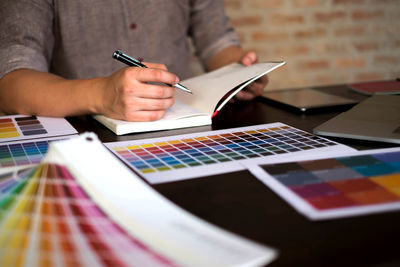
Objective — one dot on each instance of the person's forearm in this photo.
(27, 91)
(224, 57)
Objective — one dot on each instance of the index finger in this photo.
(156, 76)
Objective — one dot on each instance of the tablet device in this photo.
(306, 99)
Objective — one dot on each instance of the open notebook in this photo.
(211, 91)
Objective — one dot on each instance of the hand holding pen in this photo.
(135, 94)
(133, 62)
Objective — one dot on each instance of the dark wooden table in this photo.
(238, 202)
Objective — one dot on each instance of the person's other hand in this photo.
(255, 88)
(138, 94)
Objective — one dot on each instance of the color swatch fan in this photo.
(83, 207)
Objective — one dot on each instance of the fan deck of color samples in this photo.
(46, 219)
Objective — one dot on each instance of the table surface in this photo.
(238, 202)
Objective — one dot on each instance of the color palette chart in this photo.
(180, 157)
(24, 153)
(367, 182)
(19, 127)
(46, 219)
(27, 125)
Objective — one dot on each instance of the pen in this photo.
(130, 61)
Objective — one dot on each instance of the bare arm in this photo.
(123, 95)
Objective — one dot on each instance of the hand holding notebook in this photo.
(209, 96)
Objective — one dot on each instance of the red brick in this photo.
(313, 33)
(363, 47)
(350, 63)
(233, 4)
(366, 15)
(265, 4)
(331, 48)
(270, 36)
(300, 3)
(347, 2)
(329, 16)
(350, 31)
(292, 50)
(315, 64)
(281, 19)
(246, 21)
(369, 76)
(386, 59)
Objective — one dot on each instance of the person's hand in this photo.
(136, 94)
(255, 88)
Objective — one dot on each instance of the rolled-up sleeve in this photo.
(26, 35)
(210, 28)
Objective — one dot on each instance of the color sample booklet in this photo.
(20, 127)
(211, 91)
(348, 185)
(180, 157)
(82, 207)
(26, 152)
(24, 139)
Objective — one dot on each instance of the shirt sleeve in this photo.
(26, 35)
(210, 28)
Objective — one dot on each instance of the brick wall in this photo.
(322, 41)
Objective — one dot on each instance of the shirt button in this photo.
(132, 26)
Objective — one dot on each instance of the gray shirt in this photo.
(76, 38)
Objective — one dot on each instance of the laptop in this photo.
(376, 119)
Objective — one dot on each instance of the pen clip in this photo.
(121, 56)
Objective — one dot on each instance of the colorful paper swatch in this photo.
(46, 219)
(187, 156)
(24, 153)
(88, 209)
(19, 127)
(364, 183)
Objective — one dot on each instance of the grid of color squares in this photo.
(211, 148)
(23, 153)
(13, 127)
(343, 182)
(46, 219)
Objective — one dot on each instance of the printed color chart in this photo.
(21, 127)
(364, 183)
(46, 219)
(186, 156)
(24, 153)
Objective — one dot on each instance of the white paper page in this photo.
(178, 116)
(208, 89)
(181, 157)
(339, 176)
(148, 216)
(21, 127)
